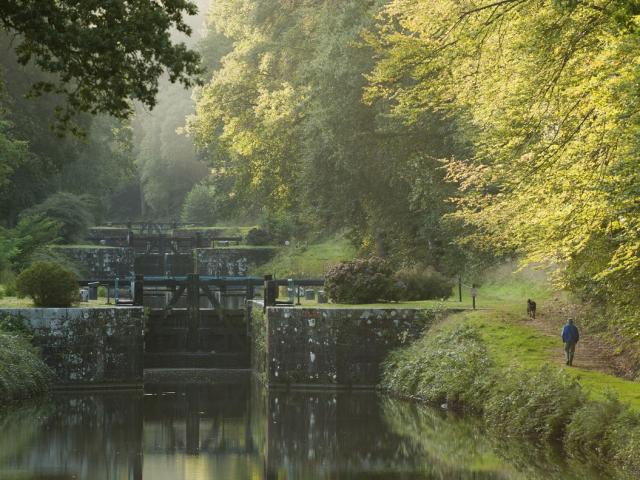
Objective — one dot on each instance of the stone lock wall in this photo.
(231, 262)
(88, 345)
(101, 262)
(336, 347)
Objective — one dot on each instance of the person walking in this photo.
(570, 336)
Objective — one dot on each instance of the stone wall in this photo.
(88, 345)
(100, 262)
(231, 262)
(336, 347)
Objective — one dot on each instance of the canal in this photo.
(233, 429)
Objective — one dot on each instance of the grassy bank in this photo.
(22, 372)
(301, 260)
(494, 363)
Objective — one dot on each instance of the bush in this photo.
(15, 324)
(73, 214)
(22, 373)
(450, 367)
(201, 205)
(423, 283)
(10, 289)
(365, 280)
(536, 405)
(259, 236)
(48, 284)
(588, 430)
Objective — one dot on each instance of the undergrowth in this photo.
(23, 374)
(452, 367)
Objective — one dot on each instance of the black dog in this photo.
(531, 308)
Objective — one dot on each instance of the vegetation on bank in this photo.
(312, 260)
(23, 374)
(491, 363)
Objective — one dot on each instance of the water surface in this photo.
(236, 430)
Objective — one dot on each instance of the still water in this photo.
(235, 430)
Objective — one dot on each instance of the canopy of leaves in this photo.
(283, 117)
(72, 212)
(102, 53)
(547, 93)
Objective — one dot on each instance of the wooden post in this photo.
(460, 288)
(138, 290)
(193, 311)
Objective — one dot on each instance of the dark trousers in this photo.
(569, 350)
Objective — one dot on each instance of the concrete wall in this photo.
(336, 347)
(101, 262)
(231, 262)
(88, 345)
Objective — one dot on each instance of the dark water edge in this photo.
(234, 429)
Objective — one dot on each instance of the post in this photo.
(116, 292)
(270, 292)
(460, 287)
(193, 311)
(474, 293)
(138, 290)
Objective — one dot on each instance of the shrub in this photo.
(73, 214)
(10, 289)
(450, 366)
(588, 432)
(259, 236)
(22, 373)
(423, 283)
(536, 405)
(624, 440)
(201, 205)
(364, 280)
(48, 284)
(15, 324)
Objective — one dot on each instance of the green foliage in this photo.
(258, 236)
(48, 284)
(421, 282)
(545, 92)
(22, 373)
(537, 405)
(13, 153)
(101, 55)
(15, 324)
(201, 205)
(302, 260)
(283, 119)
(167, 162)
(450, 367)
(72, 212)
(18, 245)
(366, 280)
(588, 432)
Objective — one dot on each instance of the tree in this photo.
(284, 115)
(101, 54)
(547, 94)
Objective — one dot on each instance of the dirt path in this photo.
(592, 352)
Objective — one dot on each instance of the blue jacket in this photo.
(570, 333)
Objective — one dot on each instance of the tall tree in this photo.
(548, 90)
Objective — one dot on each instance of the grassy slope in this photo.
(307, 261)
(512, 342)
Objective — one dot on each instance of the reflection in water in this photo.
(238, 431)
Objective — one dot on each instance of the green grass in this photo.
(15, 302)
(307, 261)
(225, 230)
(247, 247)
(86, 246)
